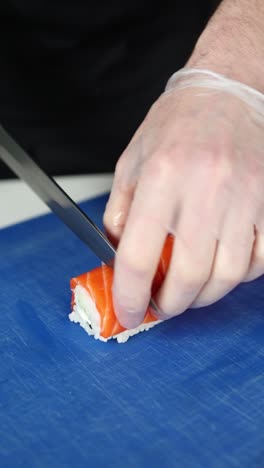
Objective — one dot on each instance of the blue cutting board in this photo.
(188, 393)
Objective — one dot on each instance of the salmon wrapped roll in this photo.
(92, 304)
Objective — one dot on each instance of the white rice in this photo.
(86, 314)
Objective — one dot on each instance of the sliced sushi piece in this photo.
(92, 304)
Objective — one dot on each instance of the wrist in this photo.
(203, 78)
(232, 45)
(245, 70)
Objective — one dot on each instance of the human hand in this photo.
(194, 168)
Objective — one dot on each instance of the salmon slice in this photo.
(92, 304)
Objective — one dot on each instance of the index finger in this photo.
(141, 244)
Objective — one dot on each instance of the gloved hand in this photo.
(194, 168)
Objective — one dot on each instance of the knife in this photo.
(57, 200)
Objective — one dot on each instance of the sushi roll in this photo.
(92, 304)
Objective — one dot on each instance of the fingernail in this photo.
(158, 312)
(155, 310)
(161, 315)
(128, 318)
(118, 219)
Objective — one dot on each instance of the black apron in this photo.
(77, 77)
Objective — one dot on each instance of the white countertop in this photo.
(19, 203)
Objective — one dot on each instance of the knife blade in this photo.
(57, 200)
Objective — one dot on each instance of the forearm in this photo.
(233, 42)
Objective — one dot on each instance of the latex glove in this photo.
(194, 168)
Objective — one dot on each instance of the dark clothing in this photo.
(77, 77)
